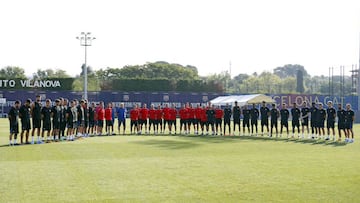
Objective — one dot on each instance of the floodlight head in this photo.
(82, 33)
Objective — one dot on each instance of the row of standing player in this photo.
(317, 116)
(83, 120)
(207, 117)
(58, 122)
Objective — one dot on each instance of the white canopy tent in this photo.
(242, 99)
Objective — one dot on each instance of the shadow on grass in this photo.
(196, 140)
(216, 139)
(168, 144)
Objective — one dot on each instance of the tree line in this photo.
(164, 76)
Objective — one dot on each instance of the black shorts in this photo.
(14, 128)
(264, 122)
(190, 121)
(284, 123)
(152, 122)
(254, 122)
(70, 125)
(81, 123)
(226, 121)
(218, 121)
(237, 121)
(91, 123)
(62, 125)
(313, 123)
(121, 122)
(36, 122)
(141, 122)
(159, 121)
(305, 122)
(348, 125)
(56, 125)
(134, 123)
(295, 123)
(320, 124)
(210, 122)
(25, 124)
(203, 123)
(46, 126)
(100, 123)
(330, 124)
(274, 123)
(196, 121)
(109, 122)
(341, 125)
(183, 121)
(167, 122)
(246, 123)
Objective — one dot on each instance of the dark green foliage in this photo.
(300, 82)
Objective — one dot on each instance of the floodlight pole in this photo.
(85, 40)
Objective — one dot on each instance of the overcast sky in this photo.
(255, 35)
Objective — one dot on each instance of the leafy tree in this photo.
(89, 70)
(300, 82)
(93, 83)
(12, 72)
(50, 73)
(289, 70)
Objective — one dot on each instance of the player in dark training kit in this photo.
(227, 117)
(330, 120)
(246, 119)
(295, 113)
(56, 116)
(284, 117)
(254, 116)
(349, 120)
(13, 116)
(341, 120)
(321, 116)
(305, 120)
(236, 116)
(36, 119)
(274, 113)
(264, 112)
(24, 114)
(313, 122)
(46, 119)
(210, 114)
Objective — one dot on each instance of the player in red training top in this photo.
(100, 116)
(159, 119)
(203, 119)
(219, 114)
(191, 117)
(143, 118)
(166, 113)
(197, 118)
(172, 121)
(134, 118)
(183, 112)
(152, 118)
(108, 119)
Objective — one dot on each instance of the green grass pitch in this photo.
(180, 169)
